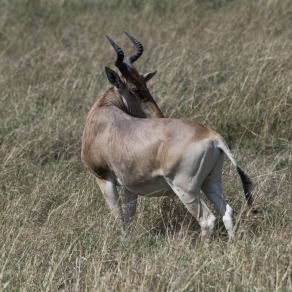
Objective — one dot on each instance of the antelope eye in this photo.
(135, 90)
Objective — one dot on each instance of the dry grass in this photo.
(224, 63)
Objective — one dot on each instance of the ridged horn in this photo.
(139, 49)
(119, 52)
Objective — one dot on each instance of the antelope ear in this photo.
(113, 77)
(149, 76)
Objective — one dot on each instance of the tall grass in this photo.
(224, 63)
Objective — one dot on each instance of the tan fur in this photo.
(127, 142)
(149, 157)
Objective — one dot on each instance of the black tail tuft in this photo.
(246, 184)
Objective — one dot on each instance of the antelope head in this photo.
(131, 87)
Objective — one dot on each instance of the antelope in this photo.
(127, 142)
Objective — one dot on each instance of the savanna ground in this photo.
(227, 64)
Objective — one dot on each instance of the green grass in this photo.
(224, 63)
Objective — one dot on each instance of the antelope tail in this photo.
(245, 180)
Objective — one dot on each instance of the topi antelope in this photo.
(127, 142)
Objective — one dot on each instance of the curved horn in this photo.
(119, 51)
(139, 49)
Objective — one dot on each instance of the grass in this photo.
(224, 63)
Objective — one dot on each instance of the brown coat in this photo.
(127, 142)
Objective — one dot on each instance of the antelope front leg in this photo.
(110, 193)
(130, 207)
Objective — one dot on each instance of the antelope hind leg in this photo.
(212, 188)
(197, 207)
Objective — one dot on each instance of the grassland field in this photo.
(223, 63)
